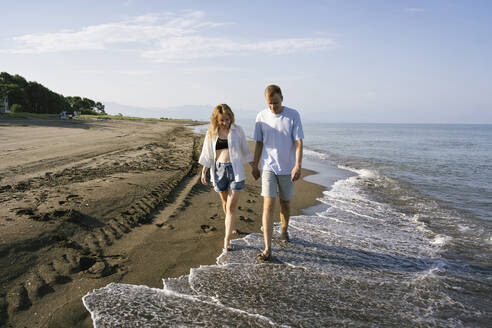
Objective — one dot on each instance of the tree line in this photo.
(33, 97)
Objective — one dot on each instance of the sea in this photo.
(402, 237)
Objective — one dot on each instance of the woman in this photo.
(224, 150)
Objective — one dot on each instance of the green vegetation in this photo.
(33, 97)
(24, 115)
(15, 108)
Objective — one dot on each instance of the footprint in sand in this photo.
(251, 201)
(206, 228)
(69, 197)
(25, 211)
(165, 226)
(242, 218)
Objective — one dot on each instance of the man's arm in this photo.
(255, 171)
(296, 171)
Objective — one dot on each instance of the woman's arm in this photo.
(203, 178)
(247, 156)
(206, 156)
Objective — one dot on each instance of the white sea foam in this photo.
(357, 260)
(362, 173)
(316, 155)
(420, 226)
(214, 301)
(488, 240)
(440, 240)
(463, 228)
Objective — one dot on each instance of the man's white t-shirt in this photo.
(278, 132)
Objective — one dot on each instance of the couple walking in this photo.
(278, 135)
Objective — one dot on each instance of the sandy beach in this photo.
(87, 203)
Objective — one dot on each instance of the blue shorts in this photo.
(224, 178)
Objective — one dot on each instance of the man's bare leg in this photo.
(267, 221)
(284, 218)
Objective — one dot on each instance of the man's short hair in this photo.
(273, 89)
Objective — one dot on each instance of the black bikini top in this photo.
(221, 144)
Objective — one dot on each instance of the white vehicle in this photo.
(65, 116)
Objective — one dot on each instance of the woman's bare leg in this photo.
(231, 207)
(223, 197)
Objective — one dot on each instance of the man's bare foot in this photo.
(264, 256)
(285, 237)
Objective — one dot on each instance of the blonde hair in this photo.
(222, 109)
(273, 89)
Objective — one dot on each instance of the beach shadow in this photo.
(82, 220)
(199, 188)
(75, 217)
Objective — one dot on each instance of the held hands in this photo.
(255, 172)
(295, 174)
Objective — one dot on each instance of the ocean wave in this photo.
(376, 248)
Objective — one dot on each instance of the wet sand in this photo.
(87, 203)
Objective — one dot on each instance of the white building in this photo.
(4, 106)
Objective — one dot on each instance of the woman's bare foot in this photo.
(264, 256)
(227, 245)
(284, 237)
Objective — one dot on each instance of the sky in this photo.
(366, 61)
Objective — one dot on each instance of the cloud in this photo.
(161, 37)
(179, 49)
(142, 29)
(135, 72)
(415, 10)
(209, 69)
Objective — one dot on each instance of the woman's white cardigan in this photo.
(238, 151)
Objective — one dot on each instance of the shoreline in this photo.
(147, 224)
(207, 247)
(357, 235)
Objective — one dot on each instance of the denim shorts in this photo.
(270, 182)
(224, 178)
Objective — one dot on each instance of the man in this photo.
(278, 135)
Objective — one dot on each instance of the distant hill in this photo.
(191, 112)
(33, 97)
